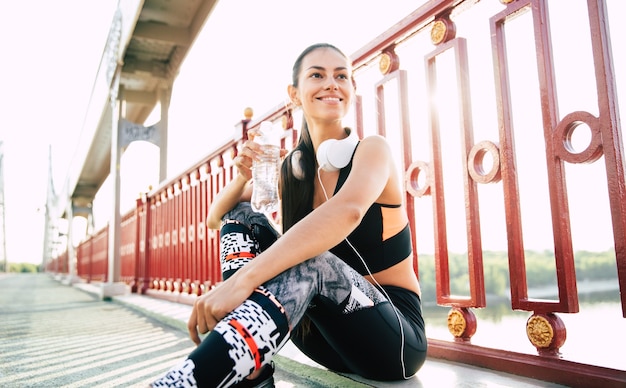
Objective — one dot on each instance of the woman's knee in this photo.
(260, 226)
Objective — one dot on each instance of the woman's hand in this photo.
(211, 307)
(249, 153)
(239, 189)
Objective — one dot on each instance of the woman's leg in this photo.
(369, 342)
(308, 338)
(254, 332)
(244, 234)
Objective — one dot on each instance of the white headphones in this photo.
(333, 154)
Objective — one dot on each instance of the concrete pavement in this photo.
(54, 335)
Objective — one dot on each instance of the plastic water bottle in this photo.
(265, 171)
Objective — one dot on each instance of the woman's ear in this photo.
(293, 95)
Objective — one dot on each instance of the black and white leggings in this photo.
(352, 326)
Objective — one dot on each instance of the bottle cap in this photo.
(267, 134)
(266, 127)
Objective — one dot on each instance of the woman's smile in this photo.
(332, 100)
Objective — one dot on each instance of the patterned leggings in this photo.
(354, 328)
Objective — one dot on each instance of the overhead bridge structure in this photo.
(146, 46)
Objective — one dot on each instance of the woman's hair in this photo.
(297, 190)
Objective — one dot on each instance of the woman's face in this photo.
(325, 86)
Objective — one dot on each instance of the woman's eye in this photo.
(316, 75)
(342, 76)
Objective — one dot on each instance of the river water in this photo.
(596, 335)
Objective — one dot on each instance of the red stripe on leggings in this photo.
(239, 255)
(245, 334)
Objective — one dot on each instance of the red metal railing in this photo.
(59, 265)
(168, 252)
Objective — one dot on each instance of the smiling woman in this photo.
(341, 270)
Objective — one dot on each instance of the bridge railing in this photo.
(467, 93)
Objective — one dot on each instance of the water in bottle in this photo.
(265, 171)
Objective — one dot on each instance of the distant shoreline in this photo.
(585, 287)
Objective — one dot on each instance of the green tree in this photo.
(23, 268)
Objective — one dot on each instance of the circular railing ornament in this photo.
(388, 61)
(442, 30)
(546, 332)
(564, 132)
(412, 179)
(461, 324)
(476, 163)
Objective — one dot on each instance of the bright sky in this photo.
(51, 52)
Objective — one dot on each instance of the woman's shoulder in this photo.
(374, 144)
(376, 155)
(374, 138)
(374, 141)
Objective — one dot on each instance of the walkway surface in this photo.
(55, 335)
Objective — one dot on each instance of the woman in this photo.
(344, 262)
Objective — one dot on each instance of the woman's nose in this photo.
(332, 84)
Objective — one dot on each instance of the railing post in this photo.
(139, 258)
(247, 113)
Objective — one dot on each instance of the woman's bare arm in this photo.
(331, 222)
(322, 229)
(238, 190)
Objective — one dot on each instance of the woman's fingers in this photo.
(252, 133)
(244, 160)
(192, 327)
(201, 321)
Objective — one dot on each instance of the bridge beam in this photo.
(162, 33)
(152, 69)
(140, 97)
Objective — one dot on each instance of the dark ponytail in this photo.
(297, 189)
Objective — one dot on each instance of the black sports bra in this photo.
(377, 253)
